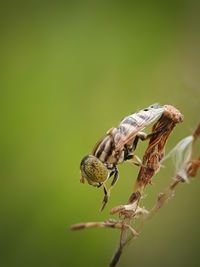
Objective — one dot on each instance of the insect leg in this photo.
(115, 178)
(143, 136)
(105, 199)
(129, 153)
(134, 159)
(135, 142)
(129, 156)
(111, 174)
(107, 191)
(138, 161)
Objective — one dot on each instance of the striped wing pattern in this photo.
(132, 124)
(109, 147)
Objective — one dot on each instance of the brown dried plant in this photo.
(153, 156)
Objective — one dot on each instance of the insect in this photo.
(117, 146)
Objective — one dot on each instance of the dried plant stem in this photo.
(106, 224)
(128, 211)
(164, 197)
(150, 165)
(189, 168)
(156, 147)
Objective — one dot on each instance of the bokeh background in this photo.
(70, 70)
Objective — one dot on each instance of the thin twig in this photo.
(106, 224)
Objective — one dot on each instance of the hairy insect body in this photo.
(116, 147)
(118, 143)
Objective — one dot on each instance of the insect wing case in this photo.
(132, 124)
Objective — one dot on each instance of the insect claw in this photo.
(105, 199)
(103, 206)
(104, 202)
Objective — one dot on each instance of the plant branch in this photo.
(186, 167)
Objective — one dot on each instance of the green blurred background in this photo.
(70, 70)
